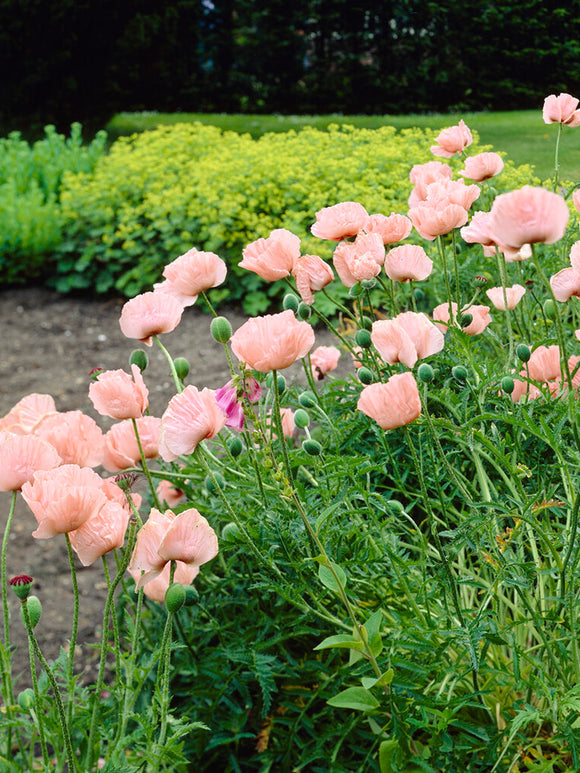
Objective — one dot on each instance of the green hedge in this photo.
(157, 194)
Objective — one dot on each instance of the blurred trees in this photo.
(67, 60)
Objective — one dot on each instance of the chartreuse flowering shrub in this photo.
(156, 193)
(30, 180)
(378, 571)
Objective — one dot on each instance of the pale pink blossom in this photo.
(156, 588)
(406, 338)
(431, 221)
(169, 493)
(27, 413)
(391, 229)
(514, 254)
(544, 363)
(528, 215)
(444, 192)
(482, 166)
(272, 258)
(288, 424)
(64, 498)
(323, 360)
(167, 537)
(21, 456)
(121, 447)
(393, 404)
(272, 342)
(190, 417)
(353, 266)
(77, 437)
(561, 109)
(513, 295)
(101, 532)
(566, 282)
(118, 395)
(311, 274)
(192, 273)
(523, 388)
(479, 230)
(452, 140)
(422, 175)
(150, 314)
(409, 262)
(481, 317)
(340, 221)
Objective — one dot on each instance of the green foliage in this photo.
(30, 181)
(157, 194)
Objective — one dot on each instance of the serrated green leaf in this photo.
(356, 698)
(343, 641)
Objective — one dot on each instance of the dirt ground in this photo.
(48, 344)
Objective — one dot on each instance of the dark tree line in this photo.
(65, 60)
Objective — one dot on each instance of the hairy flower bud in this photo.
(221, 330)
(425, 373)
(139, 358)
(175, 597)
(507, 384)
(523, 352)
(181, 367)
(301, 418)
(365, 375)
(307, 399)
(290, 302)
(459, 373)
(312, 447)
(235, 446)
(34, 610)
(363, 339)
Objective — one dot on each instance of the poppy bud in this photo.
(480, 281)
(507, 384)
(21, 585)
(523, 352)
(219, 480)
(181, 367)
(312, 447)
(34, 610)
(290, 302)
(235, 446)
(426, 373)
(191, 595)
(367, 323)
(459, 373)
(175, 597)
(550, 309)
(368, 284)
(301, 418)
(231, 532)
(466, 319)
(139, 358)
(304, 312)
(307, 399)
(221, 330)
(365, 375)
(26, 699)
(363, 339)
(355, 290)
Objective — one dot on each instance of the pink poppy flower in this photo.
(561, 109)
(311, 274)
(422, 175)
(432, 222)
(324, 359)
(528, 215)
(192, 273)
(166, 537)
(576, 199)
(355, 354)
(119, 396)
(452, 140)
(544, 363)
(21, 456)
(514, 295)
(524, 389)
(566, 282)
(169, 493)
(27, 413)
(393, 404)
(406, 338)
(408, 262)
(77, 437)
(272, 342)
(63, 499)
(480, 314)
(272, 258)
(150, 314)
(121, 448)
(190, 417)
(288, 424)
(353, 266)
(479, 230)
(444, 192)
(102, 532)
(340, 221)
(513, 255)
(482, 166)
(229, 398)
(391, 229)
(156, 588)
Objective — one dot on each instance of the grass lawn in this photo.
(522, 134)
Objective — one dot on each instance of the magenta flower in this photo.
(229, 398)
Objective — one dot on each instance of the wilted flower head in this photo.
(340, 221)
(311, 274)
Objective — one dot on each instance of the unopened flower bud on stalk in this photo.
(419, 294)
(26, 699)
(290, 302)
(191, 595)
(363, 339)
(366, 323)
(181, 367)
(507, 384)
(425, 373)
(34, 610)
(365, 375)
(280, 380)
(459, 373)
(466, 319)
(312, 447)
(301, 418)
(523, 352)
(139, 358)
(355, 290)
(235, 446)
(550, 309)
(219, 480)
(21, 585)
(368, 284)
(94, 373)
(480, 281)
(221, 330)
(307, 399)
(231, 532)
(175, 597)
(304, 312)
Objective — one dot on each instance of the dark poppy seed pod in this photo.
(181, 367)
(425, 372)
(365, 375)
(139, 358)
(221, 330)
(21, 585)
(175, 597)
(507, 384)
(290, 302)
(523, 352)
